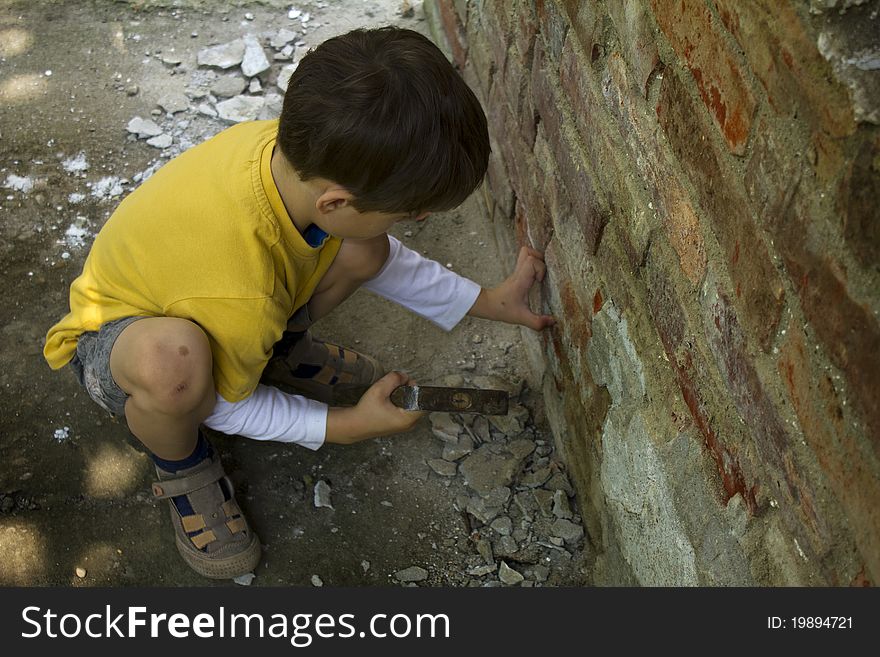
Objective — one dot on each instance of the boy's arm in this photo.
(271, 414)
(434, 292)
(509, 302)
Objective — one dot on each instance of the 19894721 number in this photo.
(810, 623)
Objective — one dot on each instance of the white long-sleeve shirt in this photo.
(423, 286)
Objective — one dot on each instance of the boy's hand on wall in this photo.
(374, 414)
(509, 302)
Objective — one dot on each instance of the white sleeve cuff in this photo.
(424, 286)
(270, 414)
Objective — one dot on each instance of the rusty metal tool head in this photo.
(434, 398)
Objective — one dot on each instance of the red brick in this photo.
(494, 23)
(844, 455)
(586, 22)
(771, 442)
(696, 37)
(758, 286)
(481, 54)
(454, 30)
(849, 332)
(859, 200)
(638, 43)
(688, 366)
(785, 58)
(499, 184)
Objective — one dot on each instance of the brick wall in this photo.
(704, 178)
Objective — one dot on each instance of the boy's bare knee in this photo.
(165, 364)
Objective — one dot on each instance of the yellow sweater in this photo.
(206, 238)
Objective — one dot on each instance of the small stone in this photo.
(171, 59)
(484, 548)
(535, 479)
(272, 107)
(81, 572)
(483, 470)
(541, 573)
(442, 467)
(479, 571)
(244, 580)
(521, 447)
(224, 56)
(143, 128)
(317, 581)
(506, 546)
(284, 76)
(132, 90)
(558, 542)
(281, 38)
(207, 110)
(455, 451)
(411, 574)
(365, 565)
(444, 427)
(483, 512)
(227, 86)
(322, 495)
(503, 525)
(255, 87)
(508, 575)
(544, 500)
(513, 423)
(160, 141)
(240, 108)
(561, 508)
(249, 16)
(567, 531)
(559, 482)
(254, 60)
(497, 496)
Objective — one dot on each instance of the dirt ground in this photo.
(75, 507)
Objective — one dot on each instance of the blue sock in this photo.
(202, 450)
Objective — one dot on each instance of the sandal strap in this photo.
(183, 485)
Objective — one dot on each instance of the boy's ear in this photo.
(333, 198)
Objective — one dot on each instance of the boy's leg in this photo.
(164, 365)
(357, 262)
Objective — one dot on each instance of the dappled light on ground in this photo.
(112, 472)
(24, 553)
(15, 41)
(23, 88)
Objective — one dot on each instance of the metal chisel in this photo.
(433, 398)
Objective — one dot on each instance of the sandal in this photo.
(214, 539)
(315, 368)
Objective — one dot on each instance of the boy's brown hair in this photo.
(383, 113)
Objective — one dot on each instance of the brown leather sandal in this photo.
(313, 368)
(215, 539)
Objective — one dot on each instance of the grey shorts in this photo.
(91, 364)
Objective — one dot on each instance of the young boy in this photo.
(196, 298)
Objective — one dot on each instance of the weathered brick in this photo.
(499, 184)
(771, 441)
(493, 21)
(554, 25)
(849, 332)
(859, 199)
(516, 83)
(480, 55)
(826, 156)
(784, 57)
(772, 176)
(670, 321)
(758, 285)
(845, 455)
(586, 21)
(683, 231)
(454, 30)
(635, 29)
(525, 29)
(696, 37)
